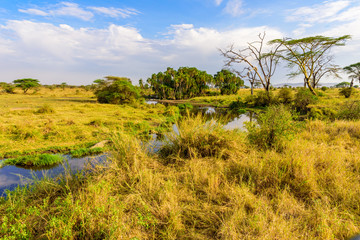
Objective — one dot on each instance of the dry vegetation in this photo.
(205, 182)
(310, 190)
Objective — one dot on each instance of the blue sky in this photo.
(80, 41)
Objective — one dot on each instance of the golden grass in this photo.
(311, 190)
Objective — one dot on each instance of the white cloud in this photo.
(234, 8)
(72, 9)
(115, 12)
(61, 53)
(325, 12)
(34, 11)
(218, 2)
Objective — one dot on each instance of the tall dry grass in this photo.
(310, 190)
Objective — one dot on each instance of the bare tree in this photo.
(260, 64)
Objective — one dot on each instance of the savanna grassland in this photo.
(63, 120)
(289, 176)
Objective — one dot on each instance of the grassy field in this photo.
(282, 179)
(51, 120)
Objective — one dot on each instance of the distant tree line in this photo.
(188, 82)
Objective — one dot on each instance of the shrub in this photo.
(273, 128)
(350, 111)
(45, 109)
(346, 92)
(238, 104)
(197, 138)
(117, 91)
(261, 99)
(185, 106)
(303, 98)
(285, 95)
(8, 87)
(324, 88)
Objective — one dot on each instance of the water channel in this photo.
(12, 176)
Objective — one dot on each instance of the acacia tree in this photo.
(257, 59)
(311, 56)
(26, 83)
(354, 71)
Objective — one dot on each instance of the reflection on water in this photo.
(225, 116)
(12, 176)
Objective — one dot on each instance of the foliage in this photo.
(303, 98)
(324, 88)
(7, 87)
(346, 92)
(273, 128)
(116, 90)
(197, 138)
(26, 83)
(261, 99)
(285, 95)
(354, 71)
(350, 110)
(311, 56)
(343, 85)
(228, 82)
(181, 84)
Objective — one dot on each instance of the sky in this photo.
(80, 41)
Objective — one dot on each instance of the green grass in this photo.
(40, 160)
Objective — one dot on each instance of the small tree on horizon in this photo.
(354, 71)
(26, 83)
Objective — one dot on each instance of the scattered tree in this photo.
(26, 83)
(354, 71)
(116, 90)
(228, 82)
(8, 87)
(259, 61)
(311, 56)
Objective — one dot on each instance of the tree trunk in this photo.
(252, 88)
(310, 87)
(352, 83)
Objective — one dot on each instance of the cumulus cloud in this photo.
(234, 8)
(62, 52)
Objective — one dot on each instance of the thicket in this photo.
(116, 90)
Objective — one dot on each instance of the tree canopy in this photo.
(116, 90)
(186, 82)
(228, 82)
(310, 55)
(354, 72)
(26, 83)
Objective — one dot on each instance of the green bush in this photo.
(303, 98)
(324, 88)
(350, 111)
(273, 128)
(261, 99)
(117, 91)
(285, 96)
(346, 92)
